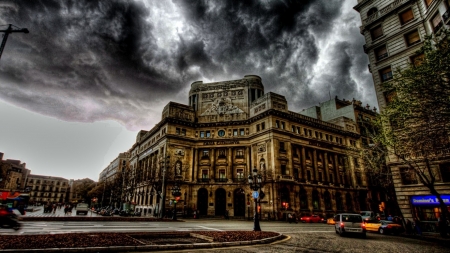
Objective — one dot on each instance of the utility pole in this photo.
(7, 32)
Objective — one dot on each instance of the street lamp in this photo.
(7, 32)
(163, 188)
(176, 193)
(255, 182)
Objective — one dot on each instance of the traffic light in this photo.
(381, 207)
(176, 200)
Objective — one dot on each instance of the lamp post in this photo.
(255, 182)
(7, 32)
(176, 193)
(163, 188)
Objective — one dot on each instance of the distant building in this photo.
(44, 189)
(13, 175)
(394, 30)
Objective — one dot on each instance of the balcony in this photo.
(286, 178)
(381, 13)
(223, 180)
(446, 16)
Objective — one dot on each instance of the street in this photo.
(304, 237)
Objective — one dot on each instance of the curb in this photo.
(155, 247)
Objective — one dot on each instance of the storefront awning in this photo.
(429, 200)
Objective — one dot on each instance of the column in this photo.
(336, 168)
(314, 162)
(229, 171)
(195, 165)
(192, 170)
(247, 160)
(303, 162)
(212, 158)
(325, 163)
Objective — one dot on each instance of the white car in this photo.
(82, 208)
(349, 223)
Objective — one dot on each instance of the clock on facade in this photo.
(221, 133)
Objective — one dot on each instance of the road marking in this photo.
(210, 228)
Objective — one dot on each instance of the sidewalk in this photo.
(430, 237)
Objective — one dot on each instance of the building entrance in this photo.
(202, 201)
(239, 202)
(221, 202)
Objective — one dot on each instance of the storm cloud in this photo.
(87, 61)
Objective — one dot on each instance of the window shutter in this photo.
(376, 32)
(436, 21)
(412, 38)
(406, 16)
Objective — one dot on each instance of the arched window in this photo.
(316, 200)
(372, 11)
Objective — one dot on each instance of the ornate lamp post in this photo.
(255, 182)
(176, 193)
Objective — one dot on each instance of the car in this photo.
(330, 221)
(311, 218)
(82, 208)
(385, 227)
(349, 223)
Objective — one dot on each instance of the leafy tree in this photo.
(415, 122)
(82, 188)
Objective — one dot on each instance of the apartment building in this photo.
(394, 30)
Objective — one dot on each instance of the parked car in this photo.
(349, 223)
(311, 218)
(384, 227)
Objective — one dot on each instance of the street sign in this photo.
(255, 194)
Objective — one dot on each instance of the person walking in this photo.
(417, 228)
(289, 218)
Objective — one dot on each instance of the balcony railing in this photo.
(446, 16)
(222, 180)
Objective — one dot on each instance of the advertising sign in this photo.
(429, 200)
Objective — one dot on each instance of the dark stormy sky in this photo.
(90, 74)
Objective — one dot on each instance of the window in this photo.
(381, 53)
(221, 133)
(320, 176)
(257, 128)
(208, 134)
(389, 96)
(282, 146)
(371, 11)
(222, 176)
(406, 16)
(284, 171)
(386, 74)
(428, 2)
(205, 175)
(310, 132)
(331, 178)
(331, 137)
(408, 176)
(277, 123)
(202, 134)
(263, 126)
(240, 153)
(326, 137)
(417, 60)
(445, 172)
(436, 22)
(222, 153)
(235, 132)
(308, 175)
(240, 174)
(177, 131)
(316, 134)
(241, 131)
(412, 38)
(293, 129)
(305, 131)
(298, 130)
(183, 132)
(205, 153)
(320, 136)
(282, 125)
(376, 32)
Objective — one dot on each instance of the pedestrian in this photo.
(54, 208)
(417, 228)
(289, 218)
(294, 218)
(409, 227)
(389, 218)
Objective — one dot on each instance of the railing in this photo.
(446, 16)
(383, 11)
(323, 123)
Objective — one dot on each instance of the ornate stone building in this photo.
(13, 175)
(228, 129)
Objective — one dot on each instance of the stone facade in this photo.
(228, 129)
(394, 30)
(44, 189)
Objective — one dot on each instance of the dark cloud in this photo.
(91, 60)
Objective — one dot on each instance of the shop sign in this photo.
(429, 200)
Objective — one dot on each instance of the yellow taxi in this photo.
(385, 227)
(330, 221)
